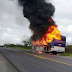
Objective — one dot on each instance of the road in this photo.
(5, 66)
(25, 61)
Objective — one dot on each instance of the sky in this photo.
(14, 28)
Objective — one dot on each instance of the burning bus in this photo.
(52, 41)
(56, 46)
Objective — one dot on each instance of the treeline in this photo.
(69, 49)
(25, 44)
(13, 45)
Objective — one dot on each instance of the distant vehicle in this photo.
(57, 46)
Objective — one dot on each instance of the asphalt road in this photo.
(25, 61)
(5, 66)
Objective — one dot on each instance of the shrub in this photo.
(69, 49)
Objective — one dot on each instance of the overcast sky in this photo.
(14, 28)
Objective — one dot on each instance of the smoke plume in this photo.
(39, 13)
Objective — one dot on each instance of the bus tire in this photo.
(54, 53)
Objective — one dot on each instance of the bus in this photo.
(56, 46)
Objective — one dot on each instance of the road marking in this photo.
(48, 59)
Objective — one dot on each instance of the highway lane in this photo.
(25, 61)
(5, 66)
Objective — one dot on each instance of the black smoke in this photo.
(39, 13)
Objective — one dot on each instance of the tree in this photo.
(27, 43)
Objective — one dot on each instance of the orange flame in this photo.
(40, 52)
(51, 34)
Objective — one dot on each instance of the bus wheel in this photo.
(46, 52)
(54, 53)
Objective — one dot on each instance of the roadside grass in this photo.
(66, 54)
(26, 48)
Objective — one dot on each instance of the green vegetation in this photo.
(66, 54)
(68, 51)
(26, 48)
(21, 47)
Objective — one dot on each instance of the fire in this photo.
(51, 34)
(40, 52)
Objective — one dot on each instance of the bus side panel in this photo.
(57, 49)
(38, 48)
